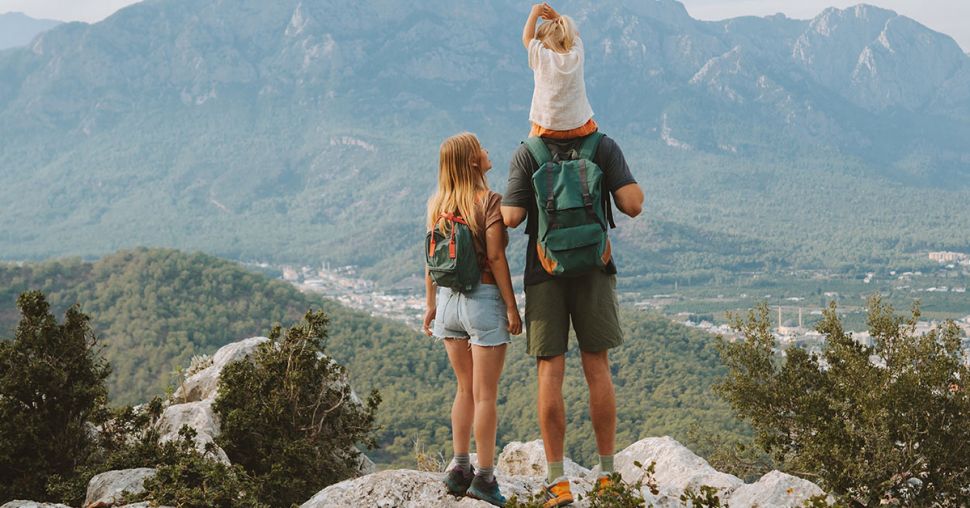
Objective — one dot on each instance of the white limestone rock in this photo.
(198, 415)
(365, 465)
(677, 469)
(529, 459)
(775, 490)
(395, 489)
(20, 503)
(107, 488)
(203, 385)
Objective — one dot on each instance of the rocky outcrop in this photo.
(529, 459)
(110, 487)
(414, 489)
(775, 489)
(521, 469)
(203, 385)
(198, 415)
(676, 469)
(19, 503)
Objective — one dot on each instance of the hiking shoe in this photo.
(603, 483)
(558, 494)
(486, 491)
(457, 480)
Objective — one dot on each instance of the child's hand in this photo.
(547, 12)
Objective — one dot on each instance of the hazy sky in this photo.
(951, 17)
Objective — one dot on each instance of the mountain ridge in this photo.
(18, 29)
(229, 129)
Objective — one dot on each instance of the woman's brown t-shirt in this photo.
(488, 212)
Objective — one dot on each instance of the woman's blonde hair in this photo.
(460, 180)
(558, 34)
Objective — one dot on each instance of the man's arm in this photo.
(518, 192)
(513, 216)
(629, 199)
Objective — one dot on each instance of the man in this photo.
(588, 300)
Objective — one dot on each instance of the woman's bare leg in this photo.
(488, 363)
(463, 409)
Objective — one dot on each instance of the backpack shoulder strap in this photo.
(538, 149)
(588, 149)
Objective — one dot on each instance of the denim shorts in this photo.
(478, 315)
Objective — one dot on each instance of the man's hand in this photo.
(428, 318)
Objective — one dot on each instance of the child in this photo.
(560, 109)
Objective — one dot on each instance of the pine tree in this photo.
(52, 385)
(290, 418)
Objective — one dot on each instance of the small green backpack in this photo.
(573, 211)
(451, 258)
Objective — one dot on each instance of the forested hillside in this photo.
(155, 309)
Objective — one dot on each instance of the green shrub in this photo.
(51, 388)
(197, 480)
(705, 497)
(289, 417)
(874, 424)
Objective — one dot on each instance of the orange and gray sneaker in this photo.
(558, 494)
(603, 483)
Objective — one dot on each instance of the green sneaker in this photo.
(486, 491)
(457, 481)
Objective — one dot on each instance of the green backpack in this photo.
(573, 209)
(451, 258)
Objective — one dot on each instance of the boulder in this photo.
(775, 490)
(19, 503)
(529, 459)
(365, 465)
(677, 469)
(107, 488)
(203, 385)
(408, 489)
(198, 415)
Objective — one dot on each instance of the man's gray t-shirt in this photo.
(520, 193)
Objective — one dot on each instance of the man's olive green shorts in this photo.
(588, 300)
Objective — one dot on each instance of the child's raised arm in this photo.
(543, 10)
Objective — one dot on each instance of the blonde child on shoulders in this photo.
(560, 108)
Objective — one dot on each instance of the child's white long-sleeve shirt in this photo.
(559, 99)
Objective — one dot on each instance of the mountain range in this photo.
(297, 130)
(18, 29)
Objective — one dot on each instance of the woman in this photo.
(473, 325)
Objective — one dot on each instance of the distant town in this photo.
(345, 285)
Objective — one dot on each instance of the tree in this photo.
(289, 416)
(881, 423)
(52, 384)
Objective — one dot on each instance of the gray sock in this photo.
(486, 473)
(554, 471)
(463, 461)
(606, 465)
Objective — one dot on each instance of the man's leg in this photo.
(602, 400)
(595, 316)
(552, 410)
